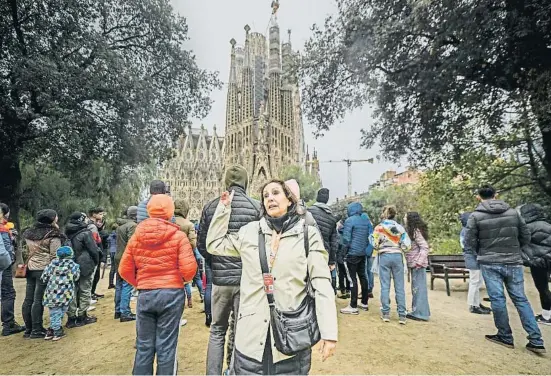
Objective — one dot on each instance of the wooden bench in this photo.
(447, 267)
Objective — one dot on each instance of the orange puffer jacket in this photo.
(158, 256)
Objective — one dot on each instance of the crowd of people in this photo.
(268, 272)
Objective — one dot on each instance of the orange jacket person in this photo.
(158, 260)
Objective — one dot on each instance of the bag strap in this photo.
(264, 264)
(266, 270)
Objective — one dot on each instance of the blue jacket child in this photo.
(60, 276)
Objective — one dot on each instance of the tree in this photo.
(93, 80)
(308, 184)
(404, 197)
(44, 187)
(444, 77)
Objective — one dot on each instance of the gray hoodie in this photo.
(497, 232)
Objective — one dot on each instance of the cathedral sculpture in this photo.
(263, 130)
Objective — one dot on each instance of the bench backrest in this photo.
(451, 261)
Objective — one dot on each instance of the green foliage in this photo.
(404, 197)
(97, 79)
(66, 192)
(444, 77)
(308, 184)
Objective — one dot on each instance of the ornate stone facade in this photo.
(263, 130)
(195, 171)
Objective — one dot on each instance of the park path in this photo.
(452, 343)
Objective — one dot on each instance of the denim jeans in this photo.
(391, 265)
(158, 327)
(475, 284)
(198, 282)
(33, 310)
(56, 316)
(370, 276)
(187, 290)
(123, 293)
(512, 277)
(420, 298)
(208, 289)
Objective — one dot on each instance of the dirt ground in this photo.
(451, 343)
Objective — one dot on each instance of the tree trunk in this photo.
(11, 183)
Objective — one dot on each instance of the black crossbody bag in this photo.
(294, 331)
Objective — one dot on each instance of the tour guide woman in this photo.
(283, 227)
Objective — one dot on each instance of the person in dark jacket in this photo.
(327, 224)
(226, 271)
(355, 238)
(344, 282)
(497, 232)
(9, 325)
(537, 256)
(96, 224)
(123, 289)
(475, 275)
(87, 257)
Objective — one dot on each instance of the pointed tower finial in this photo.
(275, 7)
(289, 33)
(247, 29)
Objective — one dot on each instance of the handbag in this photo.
(297, 330)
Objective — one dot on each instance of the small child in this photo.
(60, 277)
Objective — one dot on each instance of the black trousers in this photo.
(541, 280)
(356, 270)
(299, 364)
(8, 296)
(33, 310)
(112, 270)
(96, 278)
(344, 283)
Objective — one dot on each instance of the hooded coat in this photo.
(537, 253)
(327, 224)
(181, 210)
(87, 253)
(356, 231)
(158, 255)
(226, 269)
(496, 232)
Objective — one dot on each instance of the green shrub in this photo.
(445, 246)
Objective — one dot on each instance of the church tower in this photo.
(264, 129)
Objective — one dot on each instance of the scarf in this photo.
(285, 222)
(41, 231)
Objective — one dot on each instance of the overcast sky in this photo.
(212, 23)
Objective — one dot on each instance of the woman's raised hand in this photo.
(227, 198)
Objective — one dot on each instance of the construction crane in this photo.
(349, 164)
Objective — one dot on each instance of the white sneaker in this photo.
(91, 308)
(385, 317)
(402, 320)
(363, 306)
(92, 301)
(350, 311)
(183, 322)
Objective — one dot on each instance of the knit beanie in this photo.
(132, 212)
(78, 217)
(293, 186)
(236, 175)
(323, 196)
(65, 252)
(160, 206)
(46, 216)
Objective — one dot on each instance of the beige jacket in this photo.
(42, 252)
(189, 229)
(289, 272)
